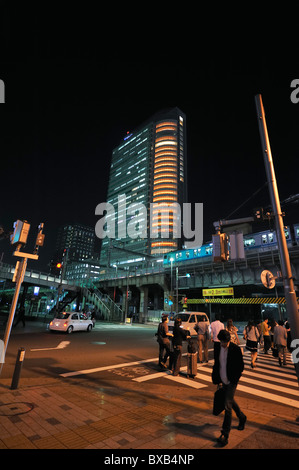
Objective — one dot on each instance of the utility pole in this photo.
(288, 281)
(19, 239)
(177, 290)
(62, 275)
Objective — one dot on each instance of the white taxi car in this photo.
(69, 322)
(189, 320)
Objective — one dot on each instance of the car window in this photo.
(82, 317)
(75, 316)
(182, 316)
(201, 318)
(192, 319)
(62, 316)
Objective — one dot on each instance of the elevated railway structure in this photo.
(154, 285)
(190, 277)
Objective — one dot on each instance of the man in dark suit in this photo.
(227, 370)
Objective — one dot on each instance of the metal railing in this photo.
(109, 310)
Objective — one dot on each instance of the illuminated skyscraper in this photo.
(78, 240)
(148, 167)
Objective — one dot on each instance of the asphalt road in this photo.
(113, 353)
(52, 353)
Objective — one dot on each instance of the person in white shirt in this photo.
(215, 327)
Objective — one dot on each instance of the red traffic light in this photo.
(185, 300)
(58, 265)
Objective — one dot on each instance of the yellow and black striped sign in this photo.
(250, 300)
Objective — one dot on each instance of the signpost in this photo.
(268, 279)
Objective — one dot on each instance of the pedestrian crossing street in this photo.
(268, 380)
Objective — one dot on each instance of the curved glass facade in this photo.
(148, 167)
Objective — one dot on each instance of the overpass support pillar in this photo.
(143, 306)
(124, 305)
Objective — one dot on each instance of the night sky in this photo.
(75, 87)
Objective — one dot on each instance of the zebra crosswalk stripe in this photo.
(270, 396)
(266, 377)
(271, 378)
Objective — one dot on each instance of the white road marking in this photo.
(269, 396)
(271, 386)
(144, 378)
(290, 383)
(100, 369)
(61, 345)
(261, 393)
(263, 366)
(189, 382)
(182, 380)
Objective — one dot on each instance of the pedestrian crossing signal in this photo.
(20, 232)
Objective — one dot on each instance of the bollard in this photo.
(18, 367)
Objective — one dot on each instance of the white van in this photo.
(189, 320)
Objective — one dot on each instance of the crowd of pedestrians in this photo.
(264, 336)
(228, 354)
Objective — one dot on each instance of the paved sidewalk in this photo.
(89, 413)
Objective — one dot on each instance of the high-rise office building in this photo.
(78, 240)
(75, 248)
(148, 168)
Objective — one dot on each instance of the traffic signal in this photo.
(20, 233)
(40, 239)
(40, 236)
(58, 265)
(259, 214)
(185, 300)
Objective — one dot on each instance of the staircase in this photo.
(102, 302)
(65, 299)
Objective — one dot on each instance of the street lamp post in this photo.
(116, 275)
(171, 263)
